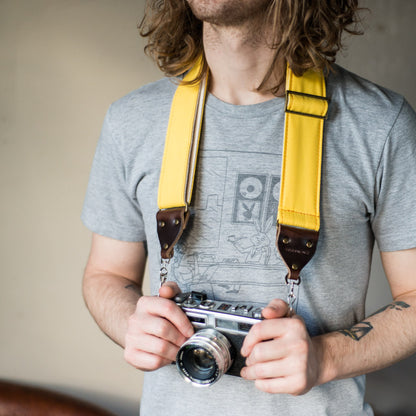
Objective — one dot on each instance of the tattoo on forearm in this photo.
(133, 288)
(363, 328)
(357, 331)
(398, 306)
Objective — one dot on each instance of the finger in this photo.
(265, 330)
(145, 361)
(268, 351)
(169, 290)
(270, 369)
(276, 377)
(293, 385)
(167, 309)
(277, 308)
(291, 329)
(162, 328)
(153, 345)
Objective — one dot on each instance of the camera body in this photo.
(214, 349)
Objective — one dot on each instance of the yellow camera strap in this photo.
(179, 159)
(298, 213)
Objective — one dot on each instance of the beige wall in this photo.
(62, 62)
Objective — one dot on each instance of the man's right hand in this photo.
(156, 330)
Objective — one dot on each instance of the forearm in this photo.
(382, 339)
(111, 300)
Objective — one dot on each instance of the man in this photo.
(308, 364)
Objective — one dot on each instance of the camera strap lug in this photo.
(296, 247)
(171, 223)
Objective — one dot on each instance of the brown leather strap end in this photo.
(296, 246)
(170, 225)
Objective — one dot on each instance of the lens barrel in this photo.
(204, 357)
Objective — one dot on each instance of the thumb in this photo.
(277, 308)
(169, 290)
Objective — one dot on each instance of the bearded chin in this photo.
(228, 12)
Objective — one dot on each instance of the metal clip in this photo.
(164, 263)
(292, 295)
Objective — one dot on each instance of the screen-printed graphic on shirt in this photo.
(228, 248)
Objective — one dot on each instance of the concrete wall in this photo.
(62, 62)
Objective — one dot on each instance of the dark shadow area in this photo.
(392, 391)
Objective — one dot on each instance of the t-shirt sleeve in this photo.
(110, 207)
(394, 223)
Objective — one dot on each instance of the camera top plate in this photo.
(231, 316)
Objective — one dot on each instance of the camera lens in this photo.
(200, 363)
(205, 357)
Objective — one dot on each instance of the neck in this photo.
(238, 59)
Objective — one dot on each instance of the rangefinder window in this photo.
(244, 327)
(226, 324)
(197, 319)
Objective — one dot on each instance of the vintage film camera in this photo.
(214, 349)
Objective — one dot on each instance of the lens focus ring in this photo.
(205, 357)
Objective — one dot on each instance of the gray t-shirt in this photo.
(228, 250)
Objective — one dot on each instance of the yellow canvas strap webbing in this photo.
(179, 159)
(298, 214)
(306, 108)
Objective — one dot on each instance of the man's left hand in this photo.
(280, 355)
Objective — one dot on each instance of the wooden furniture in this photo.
(24, 400)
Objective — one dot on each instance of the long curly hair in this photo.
(305, 34)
